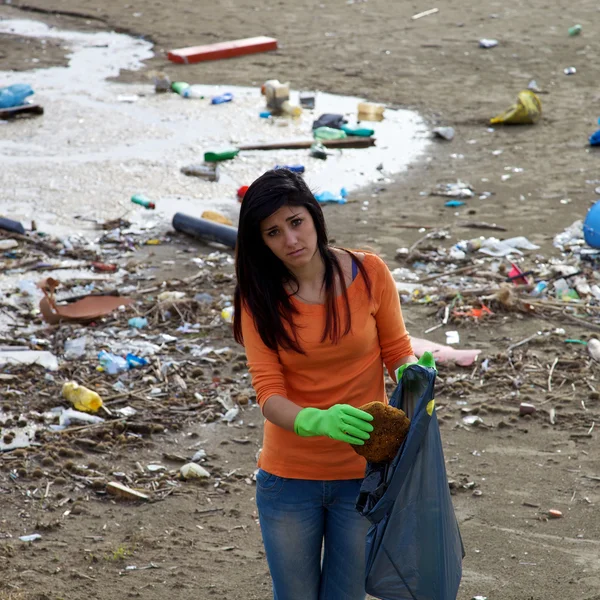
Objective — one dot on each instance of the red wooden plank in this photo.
(221, 50)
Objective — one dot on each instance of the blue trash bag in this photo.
(414, 550)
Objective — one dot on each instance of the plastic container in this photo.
(575, 30)
(591, 226)
(81, 397)
(205, 229)
(276, 93)
(14, 95)
(370, 109)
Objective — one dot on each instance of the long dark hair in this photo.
(261, 275)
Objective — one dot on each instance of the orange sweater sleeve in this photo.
(263, 363)
(393, 337)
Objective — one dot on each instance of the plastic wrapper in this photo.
(526, 111)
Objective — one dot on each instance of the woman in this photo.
(317, 323)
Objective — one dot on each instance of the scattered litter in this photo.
(329, 197)
(30, 538)
(526, 409)
(212, 215)
(118, 489)
(575, 30)
(593, 347)
(487, 43)
(81, 397)
(555, 514)
(442, 354)
(138, 322)
(526, 111)
(454, 190)
(495, 247)
(446, 133)
(86, 309)
(143, 201)
(222, 50)
(210, 172)
(68, 416)
(29, 357)
(193, 471)
(452, 337)
(425, 13)
(570, 71)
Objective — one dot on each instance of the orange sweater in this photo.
(350, 372)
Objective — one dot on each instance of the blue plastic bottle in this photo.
(14, 95)
(227, 97)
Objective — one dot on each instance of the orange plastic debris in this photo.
(221, 50)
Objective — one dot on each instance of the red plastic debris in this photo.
(242, 192)
(222, 50)
(103, 267)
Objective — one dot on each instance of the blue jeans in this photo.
(314, 537)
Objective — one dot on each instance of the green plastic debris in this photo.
(329, 133)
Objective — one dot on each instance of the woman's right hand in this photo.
(341, 422)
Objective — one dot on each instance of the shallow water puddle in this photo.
(100, 142)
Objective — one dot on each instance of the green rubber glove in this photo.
(341, 422)
(426, 360)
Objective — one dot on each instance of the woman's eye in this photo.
(296, 222)
(272, 233)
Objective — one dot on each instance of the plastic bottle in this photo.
(575, 30)
(539, 288)
(14, 95)
(134, 361)
(179, 87)
(221, 155)
(81, 397)
(111, 363)
(287, 108)
(193, 92)
(222, 99)
(328, 133)
(143, 201)
(227, 314)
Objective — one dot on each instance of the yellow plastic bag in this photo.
(213, 215)
(526, 111)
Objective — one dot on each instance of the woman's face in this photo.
(291, 235)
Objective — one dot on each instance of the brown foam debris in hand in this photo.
(390, 427)
(86, 309)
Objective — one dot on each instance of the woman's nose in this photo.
(290, 237)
